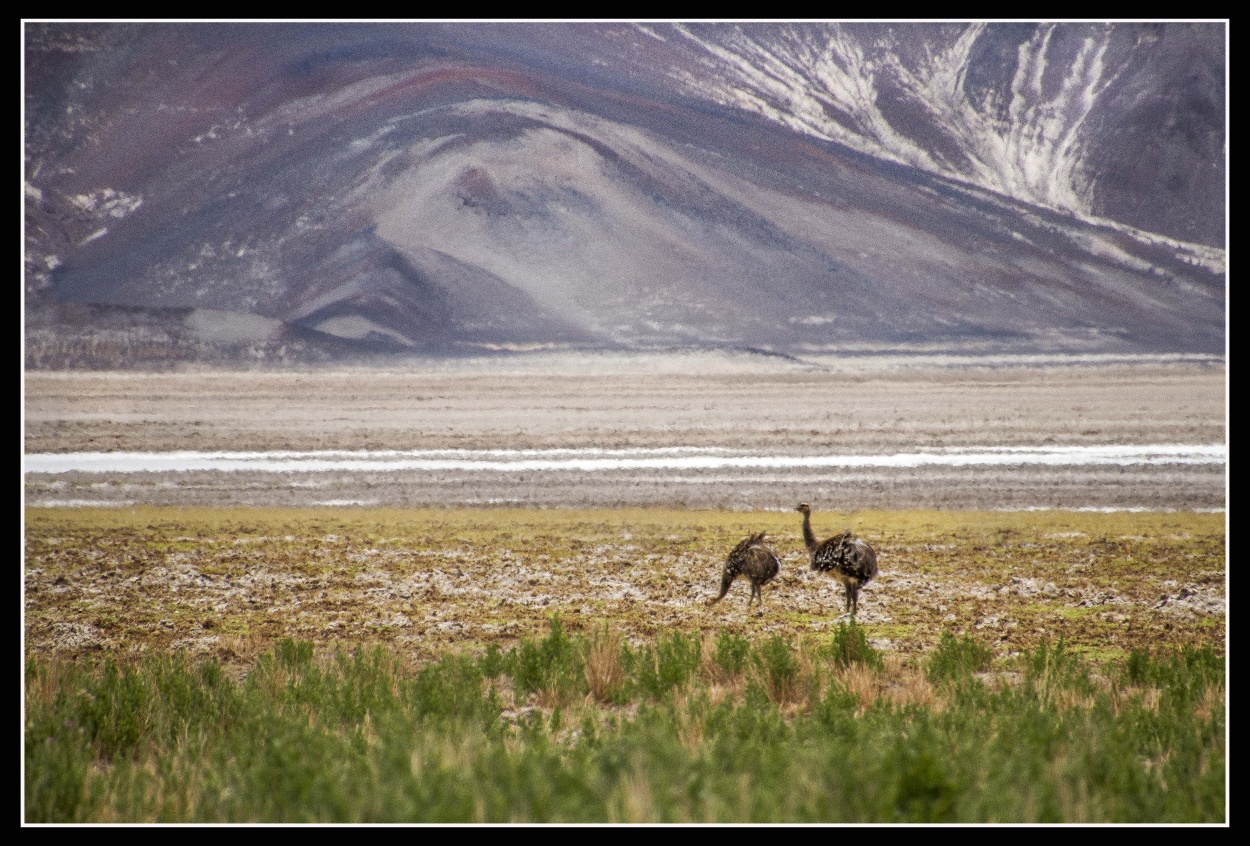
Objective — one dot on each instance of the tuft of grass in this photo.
(732, 653)
(1056, 668)
(605, 667)
(670, 662)
(861, 684)
(551, 668)
(957, 657)
(778, 669)
(849, 645)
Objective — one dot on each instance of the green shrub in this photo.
(553, 665)
(1183, 673)
(850, 645)
(451, 687)
(958, 658)
(495, 663)
(732, 651)
(1055, 667)
(671, 662)
(923, 789)
(778, 668)
(293, 655)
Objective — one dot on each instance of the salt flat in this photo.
(741, 405)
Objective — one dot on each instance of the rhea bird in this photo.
(849, 559)
(751, 558)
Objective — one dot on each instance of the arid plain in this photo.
(762, 405)
(1109, 557)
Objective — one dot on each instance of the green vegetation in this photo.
(956, 658)
(500, 665)
(576, 727)
(850, 646)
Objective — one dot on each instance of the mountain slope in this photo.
(442, 188)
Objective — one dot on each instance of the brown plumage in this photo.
(751, 558)
(847, 558)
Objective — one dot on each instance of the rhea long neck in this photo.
(808, 537)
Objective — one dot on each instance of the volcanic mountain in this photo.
(275, 189)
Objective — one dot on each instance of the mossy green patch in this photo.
(1072, 612)
(891, 631)
(1103, 655)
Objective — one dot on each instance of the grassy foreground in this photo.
(353, 665)
(590, 729)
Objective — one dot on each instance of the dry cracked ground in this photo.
(214, 573)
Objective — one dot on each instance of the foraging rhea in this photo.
(751, 558)
(847, 558)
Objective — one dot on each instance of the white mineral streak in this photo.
(1026, 142)
(600, 460)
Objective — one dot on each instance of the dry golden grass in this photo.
(863, 683)
(605, 674)
(905, 685)
(1212, 702)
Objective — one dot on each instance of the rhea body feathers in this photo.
(849, 559)
(753, 559)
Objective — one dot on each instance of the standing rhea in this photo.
(754, 559)
(849, 559)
